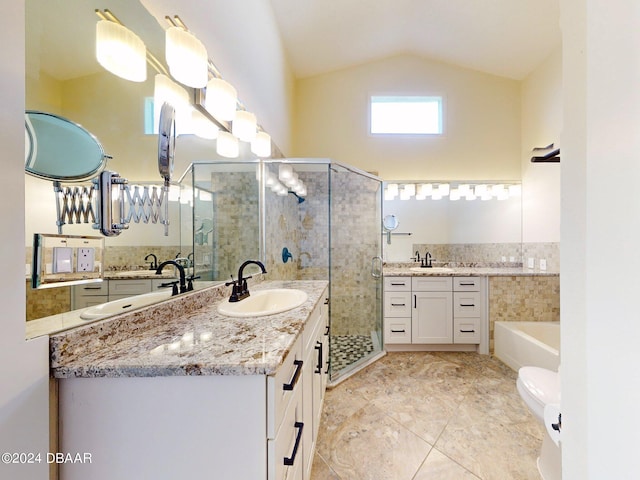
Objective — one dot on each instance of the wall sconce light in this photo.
(227, 145)
(121, 51)
(261, 145)
(244, 125)
(187, 57)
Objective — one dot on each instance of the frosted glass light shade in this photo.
(221, 99)
(227, 145)
(166, 90)
(261, 145)
(202, 126)
(187, 57)
(121, 51)
(244, 125)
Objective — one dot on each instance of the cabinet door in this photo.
(432, 317)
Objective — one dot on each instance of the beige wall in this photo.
(482, 121)
(541, 125)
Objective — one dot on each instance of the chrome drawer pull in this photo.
(398, 331)
(465, 284)
(467, 304)
(290, 460)
(296, 376)
(467, 331)
(398, 284)
(398, 304)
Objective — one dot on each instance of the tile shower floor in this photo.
(427, 415)
(346, 349)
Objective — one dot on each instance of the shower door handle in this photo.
(376, 267)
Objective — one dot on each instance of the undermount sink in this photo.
(124, 305)
(432, 269)
(264, 302)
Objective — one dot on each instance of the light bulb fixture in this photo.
(515, 190)
(410, 188)
(405, 193)
(227, 145)
(424, 190)
(444, 189)
(285, 172)
(166, 90)
(244, 125)
(480, 190)
(187, 57)
(202, 126)
(261, 145)
(454, 194)
(121, 51)
(221, 99)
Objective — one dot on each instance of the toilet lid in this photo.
(542, 384)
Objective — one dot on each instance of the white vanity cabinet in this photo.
(246, 426)
(435, 313)
(90, 294)
(397, 310)
(432, 314)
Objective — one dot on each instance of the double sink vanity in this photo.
(197, 387)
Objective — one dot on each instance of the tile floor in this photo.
(427, 415)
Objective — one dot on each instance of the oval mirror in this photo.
(166, 141)
(390, 222)
(59, 149)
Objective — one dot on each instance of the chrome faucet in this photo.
(240, 289)
(183, 283)
(152, 265)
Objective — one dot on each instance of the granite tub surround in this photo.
(184, 336)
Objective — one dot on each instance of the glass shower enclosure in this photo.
(238, 210)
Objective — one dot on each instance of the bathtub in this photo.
(520, 344)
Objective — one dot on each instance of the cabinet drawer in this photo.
(286, 450)
(282, 387)
(129, 287)
(397, 284)
(467, 304)
(397, 330)
(397, 304)
(466, 284)
(432, 284)
(91, 289)
(466, 330)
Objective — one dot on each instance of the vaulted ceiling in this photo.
(509, 38)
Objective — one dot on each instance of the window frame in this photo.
(440, 98)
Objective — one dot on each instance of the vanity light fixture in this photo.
(202, 126)
(244, 125)
(444, 189)
(391, 191)
(227, 145)
(514, 190)
(423, 191)
(187, 57)
(480, 190)
(121, 51)
(261, 145)
(221, 99)
(454, 194)
(285, 172)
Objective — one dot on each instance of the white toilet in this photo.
(540, 390)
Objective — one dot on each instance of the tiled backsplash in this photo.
(523, 298)
(491, 254)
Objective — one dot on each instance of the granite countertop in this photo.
(404, 270)
(71, 319)
(184, 336)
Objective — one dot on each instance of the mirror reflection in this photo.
(63, 77)
(461, 231)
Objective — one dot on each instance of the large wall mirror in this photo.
(64, 78)
(461, 231)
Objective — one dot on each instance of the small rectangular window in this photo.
(417, 115)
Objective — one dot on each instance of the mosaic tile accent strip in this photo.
(346, 349)
(47, 301)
